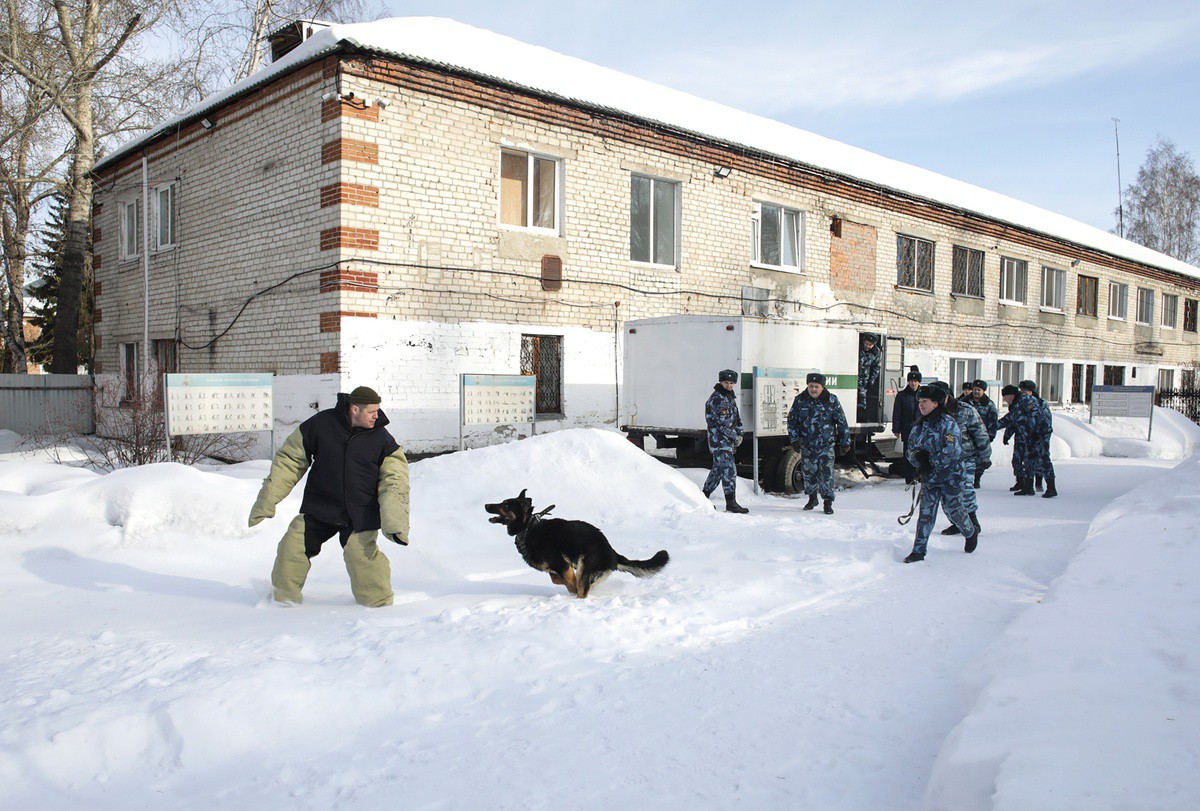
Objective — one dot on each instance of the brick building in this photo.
(399, 202)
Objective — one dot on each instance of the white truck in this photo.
(671, 366)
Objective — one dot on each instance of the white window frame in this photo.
(1054, 286)
(157, 217)
(1118, 293)
(797, 230)
(528, 215)
(1011, 271)
(1049, 379)
(918, 243)
(651, 241)
(1145, 305)
(130, 241)
(1167, 376)
(1172, 310)
(963, 370)
(1017, 366)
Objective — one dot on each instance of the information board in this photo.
(218, 403)
(1122, 401)
(497, 400)
(774, 391)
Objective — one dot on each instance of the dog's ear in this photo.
(522, 493)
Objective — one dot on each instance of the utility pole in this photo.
(1120, 196)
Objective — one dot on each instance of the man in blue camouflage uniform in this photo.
(724, 435)
(976, 451)
(870, 358)
(935, 449)
(986, 410)
(1045, 468)
(815, 424)
(1007, 422)
(1030, 431)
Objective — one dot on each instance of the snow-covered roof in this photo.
(451, 44)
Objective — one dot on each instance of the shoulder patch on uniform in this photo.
(949, 437)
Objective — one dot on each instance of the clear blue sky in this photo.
(1014, 96)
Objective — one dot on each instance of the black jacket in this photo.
(342, 487)
(904, 412)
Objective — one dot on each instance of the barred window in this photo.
(1189, 314)
(914, 263)
(968, 272)
(541, 355)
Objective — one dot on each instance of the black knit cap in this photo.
(727, 375)
(815, 377)
(1010, 389)
(914, 374)
(933, 392)
(364, 396)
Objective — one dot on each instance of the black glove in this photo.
(395, 538)
(796, 447)
(1006, 440)
(924, 463)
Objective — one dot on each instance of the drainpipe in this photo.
(145, 270)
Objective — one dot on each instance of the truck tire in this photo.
(693, 453)
(789, 477)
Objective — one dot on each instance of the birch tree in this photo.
(1162, 207)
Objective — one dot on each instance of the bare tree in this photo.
(1162, 207)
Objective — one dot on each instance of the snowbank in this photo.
(1091, 699)
(1174, 436)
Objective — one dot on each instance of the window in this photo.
(968, 272)
(130, 356)
(755, 301)
(131, 228)
(653, 220)
(777, 237)
(1114, 375)
(1170, 310)
(1054, 288)
(1189, 314)
(1145, 306)
(1083, 378)
(1187, 379)
(962, 370)
(1118, 300)
(163, 212)
(1010, 372)
(914, 263)
(1013, 275)
(1087, 296)
(528, 191)
(166, 362)
(1049, 381)
(541, 355)
(1166, 379)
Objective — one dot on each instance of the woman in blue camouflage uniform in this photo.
(935, 449)
(724, 435)
(816, 424)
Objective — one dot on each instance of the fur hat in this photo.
(1009, 389)
(914, 374)
(815, 377)
(933, 392)
(870, 336)
(727, 375)
(979, 384)
(364, 396)
(1029, 386)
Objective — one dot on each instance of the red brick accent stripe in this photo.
(330, 363)
(97, 260)
(362, 239)
(96, 287)
(350, 280)
(97, 315)
(332, 322)
(96, 234)
(348, 108)
(349, 149)
(353, 194)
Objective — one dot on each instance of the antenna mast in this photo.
(1120, 189)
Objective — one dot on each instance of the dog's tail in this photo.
(643, 568)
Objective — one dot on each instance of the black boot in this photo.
(952, 530)
(731, 505)
(971, 543)
(913, 557)
(1015, 487)
(812, 502)
(829, 506)
(1037, 483)
(978, 476)
(975, 521)
(1051, 490)
(1026, 488)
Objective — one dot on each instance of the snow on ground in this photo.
(783, 659)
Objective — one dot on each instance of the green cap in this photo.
(364, 396)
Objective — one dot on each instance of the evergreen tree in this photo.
(43, 290)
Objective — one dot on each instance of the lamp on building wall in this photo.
(207, 124)
(722, 172)
(1075, 263)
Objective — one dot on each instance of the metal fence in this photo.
(47, 404)
(1185, 401)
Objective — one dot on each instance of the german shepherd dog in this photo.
(575, 553)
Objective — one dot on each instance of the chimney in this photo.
(285, 39)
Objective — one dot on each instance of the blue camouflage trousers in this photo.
(1032, 458)
(970, 502)
(723, 471)
(950, 496)
(817, 469)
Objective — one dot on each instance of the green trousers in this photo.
(369, 570)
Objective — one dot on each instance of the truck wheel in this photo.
(789, 476)
(693, 454)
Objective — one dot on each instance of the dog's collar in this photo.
(533, 520)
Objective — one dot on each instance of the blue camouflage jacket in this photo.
(723, 420)
(1027, 420)
(868, 368)
(987, 412)
(817, 423)
(976, 444)
(942, 439)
